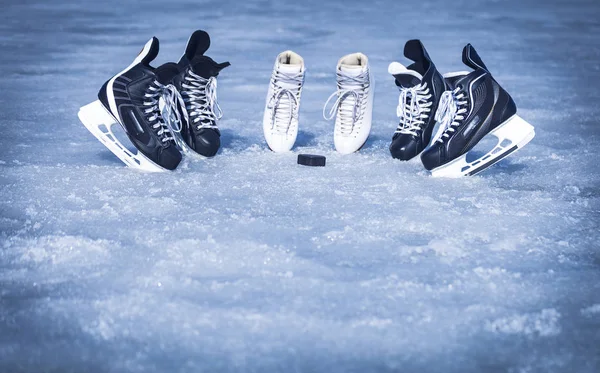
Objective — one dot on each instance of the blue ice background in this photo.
(248, 262)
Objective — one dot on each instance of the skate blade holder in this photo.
(512, 135)
(99, 122)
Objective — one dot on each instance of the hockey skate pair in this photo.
(467, 107)
(352, 108)
(163, 110)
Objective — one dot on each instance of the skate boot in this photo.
(280, 119)
(131, 98)
(475, 106)
(421, 87)
(353, 107)
(197, 86)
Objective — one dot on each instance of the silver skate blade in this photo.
(512, 135)
(99, 122)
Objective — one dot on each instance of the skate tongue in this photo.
(415, 50)
(351, 70)
(197, 45)
(206, 67)
(165, 73)
(404, 77)
(194, 54)
(289, 68)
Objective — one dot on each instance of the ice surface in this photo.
(249, 262)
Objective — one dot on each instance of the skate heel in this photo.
(512, 135)
(99, 122)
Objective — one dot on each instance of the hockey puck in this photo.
(311, 160)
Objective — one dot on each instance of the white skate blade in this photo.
(99, 122)
(512, 135)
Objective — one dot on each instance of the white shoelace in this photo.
(350, 100)
(283, 103)
(450, 114)
(413, 108)
(171, 115)
(153, 114)
(200, 98)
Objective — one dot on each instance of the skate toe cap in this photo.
(348, 145)
(208, 142)
(345, 149)
(280, 143)
(432, 156)
(405, 148)
(169, 158)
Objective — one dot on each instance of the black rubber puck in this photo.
(311, 160)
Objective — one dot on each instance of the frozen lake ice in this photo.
(248, 262)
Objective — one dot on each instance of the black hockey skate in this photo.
(131, 98)
(197, 84)
(475, 106)
(421, 87)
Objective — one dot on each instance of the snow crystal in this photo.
(591, 310)
(250, 262)
(545, 324)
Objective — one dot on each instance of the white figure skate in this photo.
(353, 106)
(280, 119)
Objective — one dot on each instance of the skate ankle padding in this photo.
(472, 59)
(152, 45)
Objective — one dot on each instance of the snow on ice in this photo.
(249, 262)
